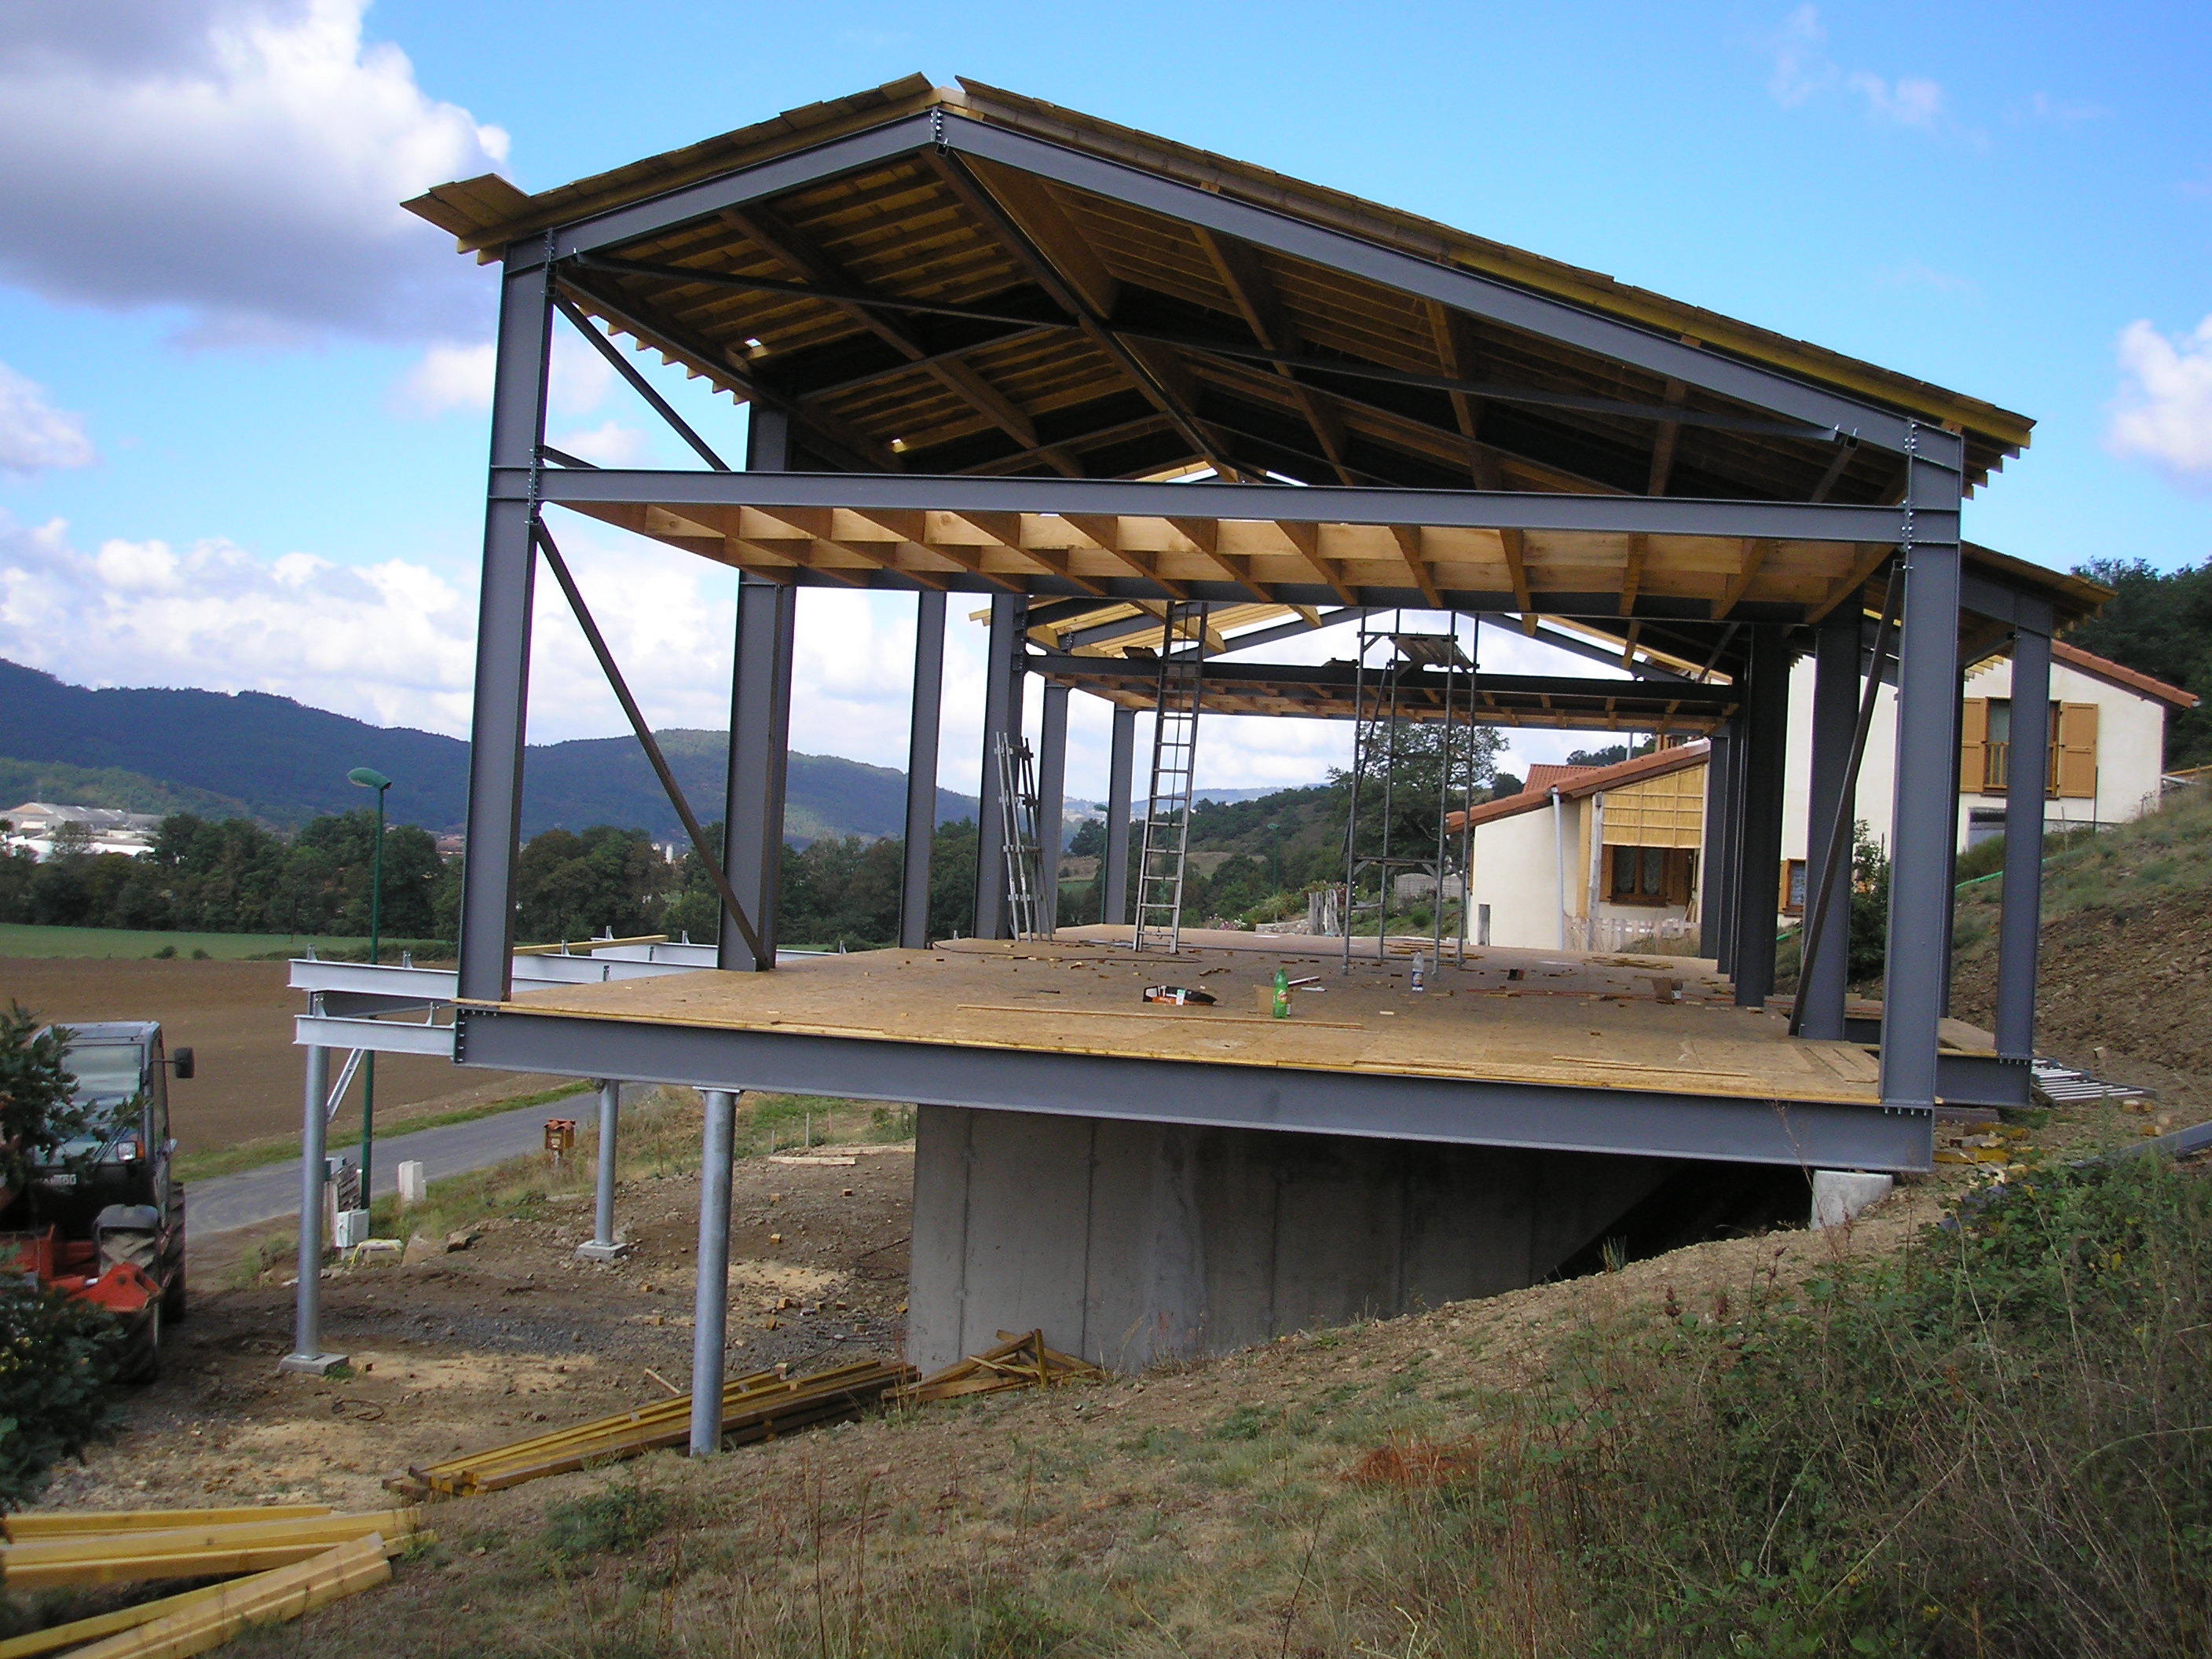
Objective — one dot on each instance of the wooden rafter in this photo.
(1516, 543)
(1205, 536)
(1664, 442)
(1755, 553)
(1306, 539)
(1104, 531)
(1408, 538)
(1255, 297)
(793, 248)
(1870, 560)
(815, 524)
(1632, 575)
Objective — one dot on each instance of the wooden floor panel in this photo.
(1653, 1023)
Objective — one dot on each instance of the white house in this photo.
(34, 824)
(1606, 858)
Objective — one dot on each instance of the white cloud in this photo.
(2164, 411)
(608, 444)
(1801, 66)
(2042, 106)
(239, 162)
(452, 376)
(1912, 101)
(34, 435)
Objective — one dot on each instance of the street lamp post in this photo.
(370, 778)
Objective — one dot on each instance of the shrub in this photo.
(56, 1356)
(611, 1522)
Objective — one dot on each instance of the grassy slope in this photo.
(21, 939)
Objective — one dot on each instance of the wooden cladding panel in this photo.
(1663, 811)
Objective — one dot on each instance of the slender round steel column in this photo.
(603, 1218)
(710, 1306)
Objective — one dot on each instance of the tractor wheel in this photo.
(172, 1299)
(141, 1360)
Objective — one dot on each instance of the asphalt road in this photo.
(272, 1193)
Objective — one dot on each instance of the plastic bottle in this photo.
(1282, 1009)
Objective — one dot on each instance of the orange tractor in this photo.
(102, 1218)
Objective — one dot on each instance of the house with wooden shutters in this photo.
(1593, 858)
(1607, 858)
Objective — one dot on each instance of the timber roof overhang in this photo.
(1007, 337)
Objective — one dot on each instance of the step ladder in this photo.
(1174, 751)
(1018, 824)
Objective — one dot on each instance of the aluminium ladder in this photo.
(1018, 822)
(1174, 751)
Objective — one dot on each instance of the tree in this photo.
(38, 1113)
(2158, 623)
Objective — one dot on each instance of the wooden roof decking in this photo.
(1063, 332)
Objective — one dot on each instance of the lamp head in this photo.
(370, 778)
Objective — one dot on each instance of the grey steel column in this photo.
(1951, 847)
(1052, 802)
(1923, 822)
(1002, 715)
(927, 717)
(1758, 851)
(2020, 924)
(760, 753)
(710, 1304)
(1716, 936)
(1115, 908)
(603, 1214)
(1821, 982)
(499, 721)
(308, 1355)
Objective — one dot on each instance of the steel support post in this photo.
(2019, 924)
(710, 1305)
(1951, 847)
(1002, 716)
(1716, 880)
(1821, 982)
(760, 749)
(1052, 802)
(922, 730)
(603, 1247)
(1115, 899)
(1759, 849)
(499, 724)
(307, 1356)
(1923, 822)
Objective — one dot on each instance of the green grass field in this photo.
(23, 940)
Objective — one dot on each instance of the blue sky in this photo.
(241, 438)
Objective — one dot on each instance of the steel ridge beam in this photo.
(1478, 295)
(1466, 509)
(1341, 677)
(1550, 1117)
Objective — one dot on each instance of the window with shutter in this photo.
(1973, 744)
(2077, 752)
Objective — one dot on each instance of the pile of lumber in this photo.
(1018, 1361)
(756, 1408)
(293, 1558)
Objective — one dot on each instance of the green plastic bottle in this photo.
(1282, 993)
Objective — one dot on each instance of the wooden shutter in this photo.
(2077, 750)
(1973, 745)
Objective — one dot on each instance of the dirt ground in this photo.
(480, 1345)
(237, 1018)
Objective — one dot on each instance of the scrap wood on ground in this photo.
(1018, 1361)
(281, 1562)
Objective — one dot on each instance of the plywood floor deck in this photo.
(1652, 1024)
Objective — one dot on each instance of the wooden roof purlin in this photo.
(945, 288)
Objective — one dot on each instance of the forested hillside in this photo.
(270, 758)
(2160, 623)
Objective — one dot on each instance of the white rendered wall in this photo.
(1515, 874)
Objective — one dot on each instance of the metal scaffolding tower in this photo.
(1018, 822)
(1175, 753)
(1426, 679)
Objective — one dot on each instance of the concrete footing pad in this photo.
(309, 1364)
(1840, 1195)
(597, 1252)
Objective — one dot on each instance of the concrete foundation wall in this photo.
(1126, 1243)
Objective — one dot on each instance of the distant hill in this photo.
(251, 754)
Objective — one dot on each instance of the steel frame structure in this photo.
(1921, 531)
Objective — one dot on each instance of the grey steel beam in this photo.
(925, 722)
(1596, 653)
(1924, 816)
(760, 748)
(1979, 1081)
(1986, 596)
(1817, 1135)
(1052, 801)
(1002, 716)
(1759, 847)
(1664, 515)
(1688, 696)
(1713, 875)
(2019, 923)
(710, 1301)
(1661, 355)
(1114, 902)
(499, 722)
(1822, 976)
